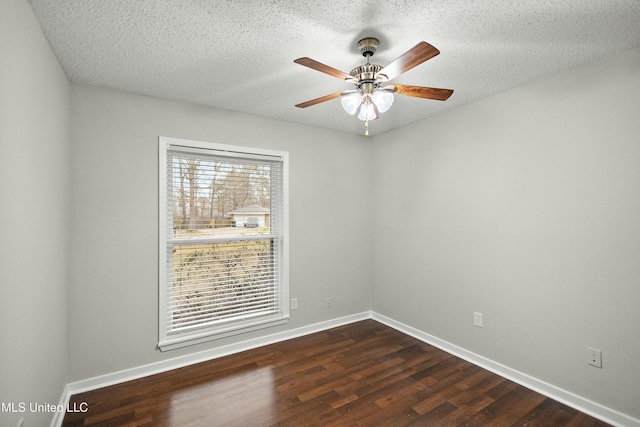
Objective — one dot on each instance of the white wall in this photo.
(34, 188)
(527, 209)
(113, 295)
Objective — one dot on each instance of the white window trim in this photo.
(166, 342)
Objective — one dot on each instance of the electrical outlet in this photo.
(294, 303)
(327, 303)
(594, 357)
(477, 319)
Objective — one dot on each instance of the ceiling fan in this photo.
(370, 96)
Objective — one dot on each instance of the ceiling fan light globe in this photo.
(367, 112)
(351, 102)
(382, 99)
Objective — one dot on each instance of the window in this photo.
(223, 240)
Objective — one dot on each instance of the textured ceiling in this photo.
(238, 55)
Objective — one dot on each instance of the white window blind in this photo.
(223, 266)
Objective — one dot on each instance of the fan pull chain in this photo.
(366, 128)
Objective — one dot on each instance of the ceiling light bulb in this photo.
(382, 99)
(367, 112)
(351, 102)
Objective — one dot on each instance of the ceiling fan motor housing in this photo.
(366, 71)
(366, 76)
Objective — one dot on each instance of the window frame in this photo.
(169, 341)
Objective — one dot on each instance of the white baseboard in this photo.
(58, 416)
(570, 399)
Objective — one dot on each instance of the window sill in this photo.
(192, 338)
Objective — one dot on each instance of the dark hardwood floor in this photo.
(362, 374)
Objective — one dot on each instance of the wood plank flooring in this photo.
(362, 374)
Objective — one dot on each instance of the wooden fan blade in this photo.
(422, 92)
(319, 100)
(415, 56)
(318, 66)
